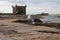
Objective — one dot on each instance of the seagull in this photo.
(30, 20)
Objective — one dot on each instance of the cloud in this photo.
(37, 6)
(5, 3)
(5, 7)
(51, 7)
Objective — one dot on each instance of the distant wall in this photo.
(16, 16)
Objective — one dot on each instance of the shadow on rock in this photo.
(53, 32)
(8, 32)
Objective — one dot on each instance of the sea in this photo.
(50, 19)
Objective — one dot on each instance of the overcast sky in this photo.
(33, 6)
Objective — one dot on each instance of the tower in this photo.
(19, 9)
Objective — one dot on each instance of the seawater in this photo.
(50, 19)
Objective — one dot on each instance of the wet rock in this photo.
(37, 21)
(34, 21)
(20, 21)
